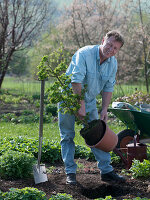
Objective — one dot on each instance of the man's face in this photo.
(110, 47)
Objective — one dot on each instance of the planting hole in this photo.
(103, 191)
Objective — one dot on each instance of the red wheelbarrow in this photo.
(131, 141)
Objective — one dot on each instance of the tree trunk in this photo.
(4, 66)
(144, 49)
(2, 78)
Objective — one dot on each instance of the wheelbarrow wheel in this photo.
(125, 137)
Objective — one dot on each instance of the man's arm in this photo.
(77, 88)
(106, 97)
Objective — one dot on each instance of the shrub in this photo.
(51, 150)
(83, 152)
(51, 108)
(16, 165)
(36, 96)
(26, 193)
(62, 196)
(140, 169)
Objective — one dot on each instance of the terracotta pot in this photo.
(100, 136)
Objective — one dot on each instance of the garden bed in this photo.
(89, 184)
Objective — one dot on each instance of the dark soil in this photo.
(89, 184)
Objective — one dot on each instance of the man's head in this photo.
(118, 37)
(111, 44)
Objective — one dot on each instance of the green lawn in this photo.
(28, 86)
(50, 131)
(23, 85)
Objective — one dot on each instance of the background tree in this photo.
(48, 42)
(86, 22)
(20, 23)
(144, 15)
(19, 63)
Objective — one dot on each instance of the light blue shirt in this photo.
(86, 69)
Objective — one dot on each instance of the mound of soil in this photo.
(89, 184)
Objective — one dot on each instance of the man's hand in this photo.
(104, 115)
(106, 97)
(77, 87)
(81, 112)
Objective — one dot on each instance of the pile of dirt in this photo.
(89, 184)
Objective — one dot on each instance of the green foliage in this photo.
(36, 96)
(16, 165)
(26, 193)
(51, 150)
(111, 198)
(61, 90)
(51, 108)
(23, 118)
(106, 198)
(83, 152)
(140, 169)
(53, 65)
(10, 98)
(24, 115)
(19, 63)
(61, 196)
(148, 152)
(114, 158)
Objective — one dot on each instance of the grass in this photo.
(23, 85)
(51, 130)
(28, 86)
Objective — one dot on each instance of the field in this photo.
(22, 98)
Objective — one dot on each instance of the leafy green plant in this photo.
(140, 169)
(111, 198)
(50, 169)
(51, 108)
(61, 196)
(26, 193)
(61, 90)
(106, 198)
(16, 165)
(114, 158)
(83, 152)
(148, 152)
(51, 150)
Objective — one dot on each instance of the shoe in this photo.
(71, 179)
(112, 176)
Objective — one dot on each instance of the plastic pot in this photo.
(99, 135)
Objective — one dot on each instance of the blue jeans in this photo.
(67, 133)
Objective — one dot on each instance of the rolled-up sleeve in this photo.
(79, 68)
(109, 87)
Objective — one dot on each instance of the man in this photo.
(96, 67)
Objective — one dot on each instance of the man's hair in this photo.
(117, 35)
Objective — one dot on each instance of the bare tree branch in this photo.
(21, 21)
